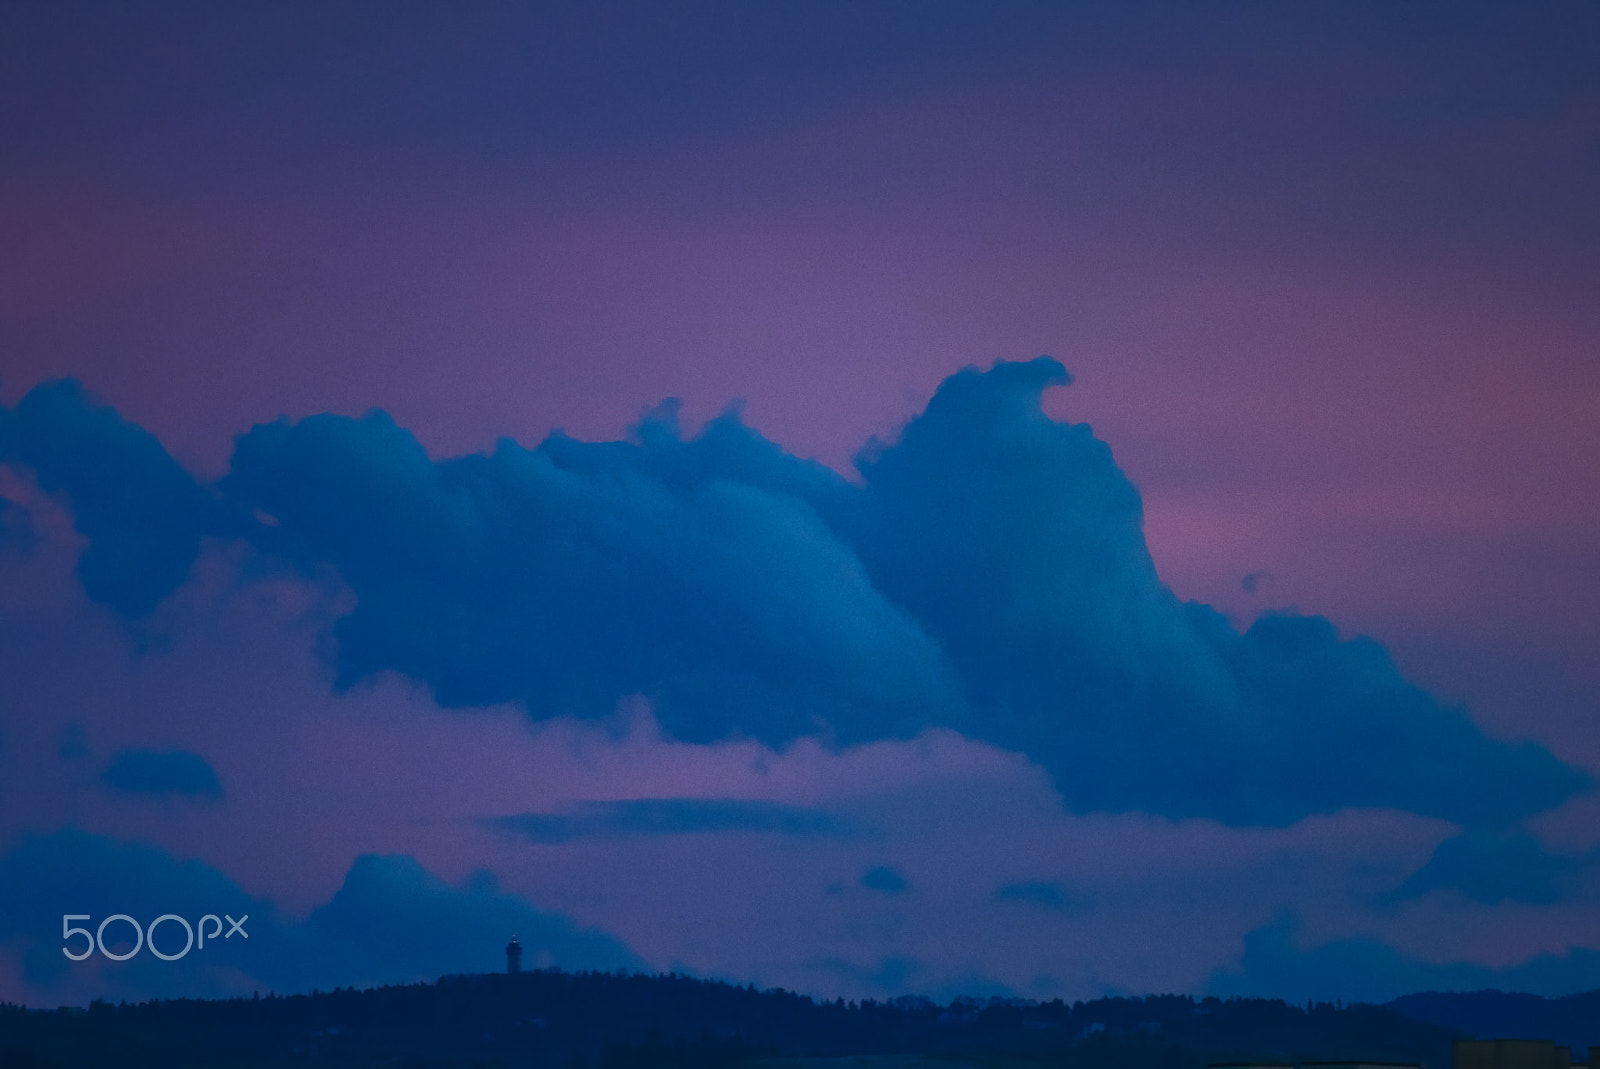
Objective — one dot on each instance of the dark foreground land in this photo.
(621, 1021)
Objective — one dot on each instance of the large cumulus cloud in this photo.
(569, 576)
(1018, 542)
(988, 574)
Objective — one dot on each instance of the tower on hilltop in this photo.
(513, 957)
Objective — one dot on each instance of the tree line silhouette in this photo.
(595, 1020)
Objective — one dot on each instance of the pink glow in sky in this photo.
(1324, 280)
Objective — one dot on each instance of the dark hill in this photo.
(1573, 1020)
(622, 1021)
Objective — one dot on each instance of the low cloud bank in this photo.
(1368, 970)
(1503, 866)
(392, 921)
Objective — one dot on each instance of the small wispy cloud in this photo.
(163, 772)
(670, 816)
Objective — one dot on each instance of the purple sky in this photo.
(1324, 279)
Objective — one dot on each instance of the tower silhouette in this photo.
(513, 957)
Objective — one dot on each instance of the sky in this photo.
(1045, 500)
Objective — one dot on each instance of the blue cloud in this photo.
(1046, 893)
(1368, 970)
(73, 742)
(568, 576)
(141, 512)
(394, 920)
(159, 772)
(669, 816)
(73, 872)
(884, 878)
(16, 525)
(988, 575)
(1028, 563)
(1499, 866)
(390, 921)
